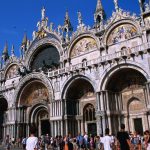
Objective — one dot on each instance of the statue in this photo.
(59, 28)
(39, 26)
(116, 5)
(51, 26)
(43, 13)
(79, 18)
(147, 8)
(22, 70)
(34, 35)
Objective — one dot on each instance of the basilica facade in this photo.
(68, 81)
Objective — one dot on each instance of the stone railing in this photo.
(4, 87)
(129, 52)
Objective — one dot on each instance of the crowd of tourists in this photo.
(122, 141)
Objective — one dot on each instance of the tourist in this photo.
(24, 143)
(92, 144)
(80, 141)
(123, 139)
(13, 142)
(107, 140)
(66, 143)
(86, 140)
(32, 141)
(7, 142)
(147, 140)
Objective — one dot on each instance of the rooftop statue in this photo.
(43, 13)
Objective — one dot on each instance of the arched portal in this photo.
(79, 94)
(33, 99)
(121, 87)
(3, 116)
(89, 119)
(39, 117)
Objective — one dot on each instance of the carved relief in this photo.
(136, 105)
(12, 72)
(33, 93)
(121, 33)
(83, 45)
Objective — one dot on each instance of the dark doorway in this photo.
(92, 129)
(138, 125)
(45, 127)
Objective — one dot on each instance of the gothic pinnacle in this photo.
(116, 5)
(24, 41)
(12, 51)
(99, 6)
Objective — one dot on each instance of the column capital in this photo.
(100, 113)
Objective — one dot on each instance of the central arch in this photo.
(78, 96)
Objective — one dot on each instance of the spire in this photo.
(67, 23)
(116, 5)
(12, 51)
(99, 6)
(43, 13)
(24, 41)
(5, 54)
(5, 50)
(80, 21)
(142, 2)
(99, 14)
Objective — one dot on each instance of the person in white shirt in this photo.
(32, 141)
(86, 140)
(107, 140)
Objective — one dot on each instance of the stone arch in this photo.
(69, 81)
(34, 76)
(113, 26)
(132, 99)
(76, 39)
(3, 115)
(35, 114)
(112, 69)
(37, 45)
(89, 112)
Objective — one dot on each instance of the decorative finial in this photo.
(79, 17)
(43, 13)
(12, 51)
(67, 15)
(5, 51)
(5, 54)
(99, 6)
(116, 5)
(24, 41)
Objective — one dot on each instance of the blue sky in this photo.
(18, 16)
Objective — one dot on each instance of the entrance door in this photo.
(92, 129)
(138, 125)
(45, 127)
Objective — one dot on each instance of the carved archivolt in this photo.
(45, 88)
(37, 45)
(83, 45)
(34, 92)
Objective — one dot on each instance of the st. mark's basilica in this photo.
(68, 81)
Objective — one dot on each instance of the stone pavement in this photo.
(3, 148)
